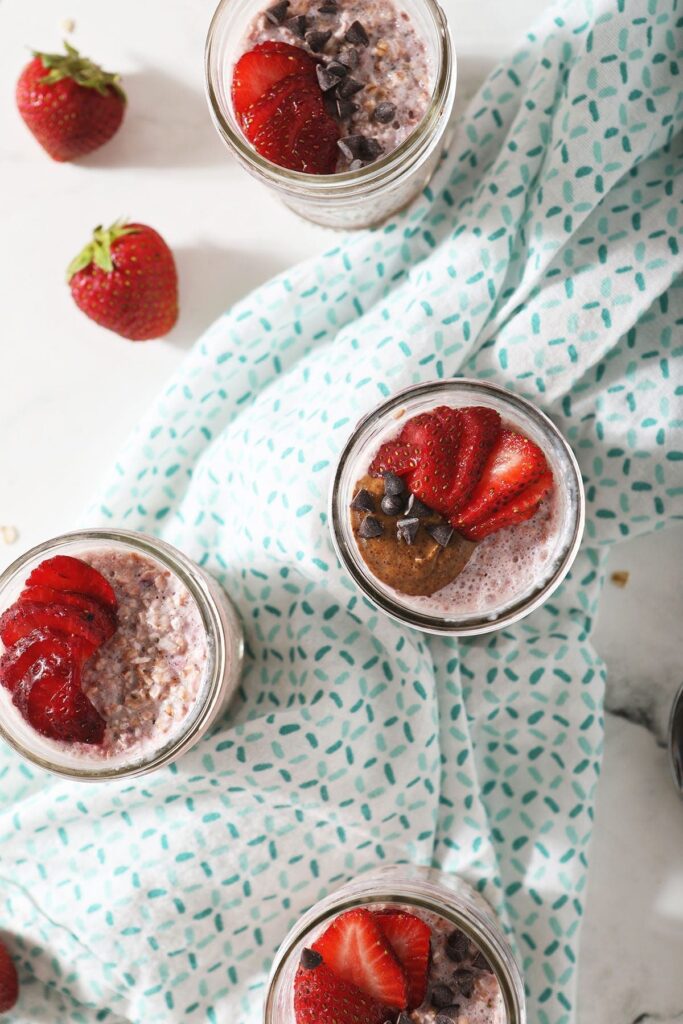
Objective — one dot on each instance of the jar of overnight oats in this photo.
(461, 572)
(470, 970)
(117, 653)
(405, 71)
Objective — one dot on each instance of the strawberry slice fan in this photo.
(464, 464)
(65, 612)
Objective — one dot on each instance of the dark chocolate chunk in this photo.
(441, 532)
(337, 69)
(326, 81)
(329, 8)
(371, 149)
(352, 146)
(363, 501)
(394, 484)
(457, 945)
(407, 529)
(310, 959)
(370, 528)
(277, 14)
(420, 509)
(384, 112)
(317, 40)
(441, 995)
(348, 87)
(481, 963)
(464, 981)
(392, 504)
(345, 109)
(298, 25)
(349, 57)
(356, 35)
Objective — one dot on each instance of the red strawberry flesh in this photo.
(321, 997)
(514, 464)
(57, 708)
(516, 510)
(62, 572)
(355, 949)
(37, 654)
(9, 980)
(263, 67)
(289, 127)
(99, 613)
(22, 618)
(410, 939)
(395, 457)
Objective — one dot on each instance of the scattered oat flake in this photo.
(68, 25)
(620, 578)
(10, 534)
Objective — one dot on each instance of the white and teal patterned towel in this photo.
(546, 256)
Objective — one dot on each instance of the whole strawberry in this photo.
(70, 104)
(9, 982)
(125, 279)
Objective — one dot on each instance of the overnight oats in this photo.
(116, 654)
(401, 946)
(457, 507)
(338, 104)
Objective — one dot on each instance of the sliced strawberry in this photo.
(9, 980)
(514, 464)
(478, 429)
(394, 457)
(321, 997)
(259, 69)
(438, 444)
(289, 127)
(410, 939)
(25, 616)
(56, 707)
(62, 572)
(37, 654)
(103, 615)
(517, 510)
(356, 950)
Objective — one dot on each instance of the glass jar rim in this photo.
(185, 570)
(441, 625)
(428, 896)
(344, 183)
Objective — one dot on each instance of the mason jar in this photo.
(419, 890)
(530, 583)
(349, 199)
(217, 635)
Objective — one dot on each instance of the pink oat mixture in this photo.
(394, 67)
(144, 680)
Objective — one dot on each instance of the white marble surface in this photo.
(69, 394)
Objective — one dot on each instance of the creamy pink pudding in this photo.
(145, 680)
(387, 66)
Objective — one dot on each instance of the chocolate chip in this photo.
(349, 57)
(370, 528)
(326, 81)
(457, 945)
(356, 35)
(441, 995)
(310, 959)
(337, 69)
(394, 484)
(364, 501)
(298, 25)
(441, 532)
(348, 87)
(407, 529)
(392, 504)
(318, 40)
(329, 8)
(464, 981)
(345, 109)
(415, 507)
(384, 113)
(277, 14)
(372, 149)
(352, 146)
(481, 963)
